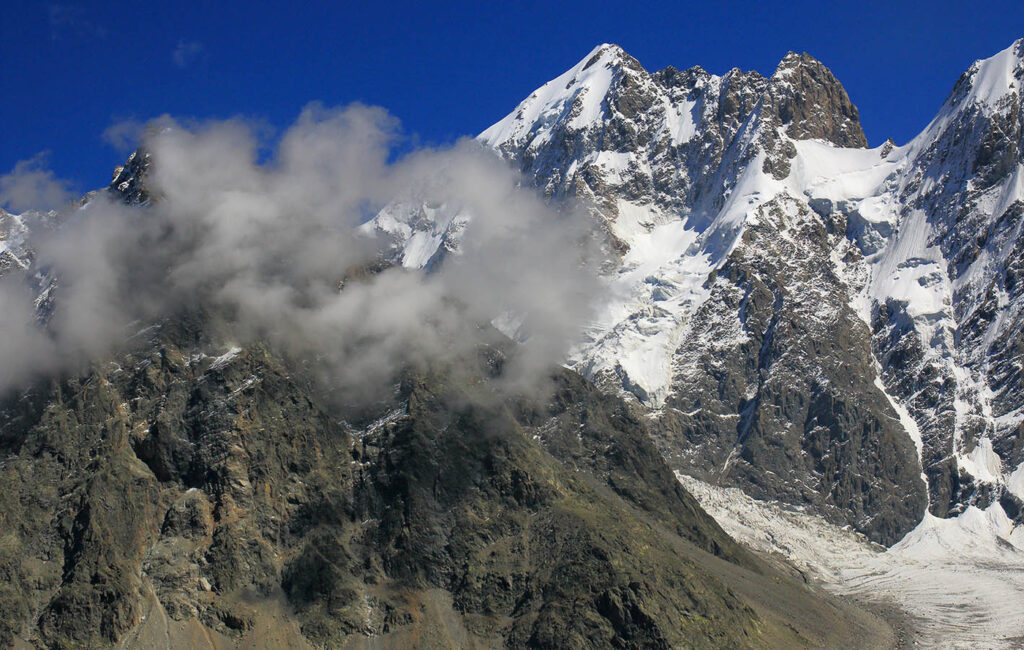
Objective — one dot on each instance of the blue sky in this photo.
(69, 71)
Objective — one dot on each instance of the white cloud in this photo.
(262, 247)
(72, 21)
(186, 52)
(31, 186)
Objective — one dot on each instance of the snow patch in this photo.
(1015, 482)
(658, 287)
(679, 121)
(982, 463)
(822, 170)
(419, 248)
(225, 358)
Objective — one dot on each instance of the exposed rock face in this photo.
(608, 130)
(812, 103)
(953, 356)
(789, 386)
(129, 180)
(150, 478)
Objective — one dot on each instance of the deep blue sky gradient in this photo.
(70, 70)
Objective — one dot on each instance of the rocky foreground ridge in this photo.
(173, 498)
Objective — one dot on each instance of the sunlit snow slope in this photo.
(961, 584)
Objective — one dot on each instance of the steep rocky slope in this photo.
(950, 347)
(172, 497)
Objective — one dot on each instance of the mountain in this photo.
(789, 312)
(183, 491)
(800, 316)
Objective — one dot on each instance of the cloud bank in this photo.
(271, 245)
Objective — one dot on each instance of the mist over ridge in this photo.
(275, 248)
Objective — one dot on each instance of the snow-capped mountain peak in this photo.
(576, 98)
(989, 80)
(780, 284)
